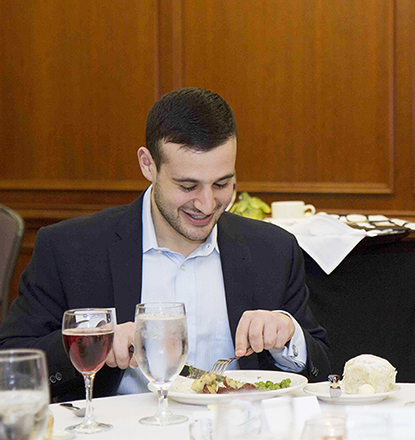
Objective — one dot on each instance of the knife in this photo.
(195, 373)
(335, 390)
(188, 370)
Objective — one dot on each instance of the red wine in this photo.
(87, 348)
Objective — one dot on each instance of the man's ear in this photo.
(147, 164)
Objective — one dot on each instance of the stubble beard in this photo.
(191, 233)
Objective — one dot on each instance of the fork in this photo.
(221, 365)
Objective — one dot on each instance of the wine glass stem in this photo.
(89, 381)
(163, 403)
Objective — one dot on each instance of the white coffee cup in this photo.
(291, 209)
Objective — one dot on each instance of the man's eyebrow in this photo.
(190, 180)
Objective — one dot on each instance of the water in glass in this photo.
(160, 347)
(24, 394)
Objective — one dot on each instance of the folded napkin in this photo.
(327, 240)
(285, 416)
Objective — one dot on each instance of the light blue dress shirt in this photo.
(197, 281)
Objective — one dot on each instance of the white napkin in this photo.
(285, 416)
(326, 239)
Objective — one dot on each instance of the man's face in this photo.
(192, 189)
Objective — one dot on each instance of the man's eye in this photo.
(187, 188)
(221, 185)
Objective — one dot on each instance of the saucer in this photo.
(322, 391)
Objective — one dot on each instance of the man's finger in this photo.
(241, 336)
(255, 337)
(111, 359)
(285, 332)
(270, 336)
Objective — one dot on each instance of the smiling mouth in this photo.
(198, 219)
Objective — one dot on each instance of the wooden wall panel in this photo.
(78, 80)
(311, 84)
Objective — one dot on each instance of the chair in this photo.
(11, 236)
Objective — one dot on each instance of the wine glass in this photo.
(160, 347)
(88, 336)
(24, 394)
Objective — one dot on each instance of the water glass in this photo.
(24, 394)
(160, 347)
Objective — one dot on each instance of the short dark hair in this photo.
(192, 117)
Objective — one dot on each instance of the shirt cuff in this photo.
(293, 356)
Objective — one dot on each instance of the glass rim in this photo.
(159, 304)
(21, 354)
(98, 310)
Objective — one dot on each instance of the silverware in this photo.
(193, 372)
(335, 390)
(131, 351)
(79, 412)
(221, 365)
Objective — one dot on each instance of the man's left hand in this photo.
(262, 330)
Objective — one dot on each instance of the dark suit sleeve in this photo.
(34, 321)
(296, 301)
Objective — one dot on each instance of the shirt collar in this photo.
(149, 234)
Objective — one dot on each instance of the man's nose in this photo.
(205, 202)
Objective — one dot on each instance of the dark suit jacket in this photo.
(96, 261)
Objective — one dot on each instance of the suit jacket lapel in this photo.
(239, 279)
(126, 257)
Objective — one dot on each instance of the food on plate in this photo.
(368, 374)
(210, 383)
(269, 385)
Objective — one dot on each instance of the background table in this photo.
(367, 304)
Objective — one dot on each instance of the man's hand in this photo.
(262, 330)
(120, 356)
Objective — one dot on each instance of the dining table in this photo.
(124, 412)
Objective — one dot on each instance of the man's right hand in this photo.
(120, 354)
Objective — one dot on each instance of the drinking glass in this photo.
(324, 428)
(160, 347)
(88, 336)
(24, 394)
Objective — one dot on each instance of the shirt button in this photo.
(183, 267)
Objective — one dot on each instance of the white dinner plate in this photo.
(322, 391)
(180, 390)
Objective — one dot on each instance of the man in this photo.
(242, 280)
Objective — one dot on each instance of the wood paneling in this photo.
(76, 82)
(311, 84)
(322, 90)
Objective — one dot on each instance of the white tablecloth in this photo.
(123, 412)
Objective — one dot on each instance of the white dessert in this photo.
(364, 372)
